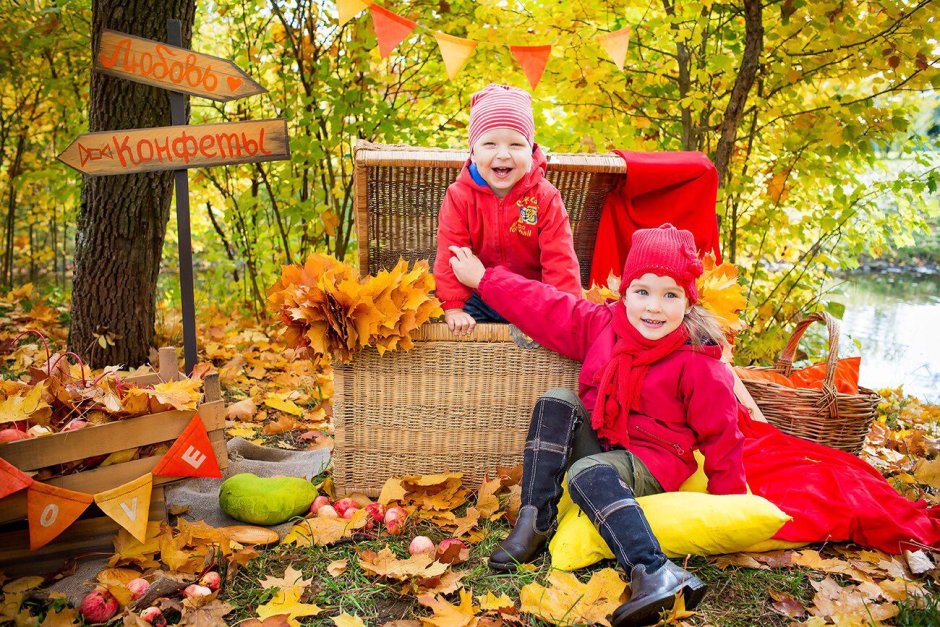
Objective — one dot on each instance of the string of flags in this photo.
(52, 509)
(391, 29)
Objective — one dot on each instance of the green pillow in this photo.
(265, 500)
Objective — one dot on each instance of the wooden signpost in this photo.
(181, 146)
(177, 69)
(175, 147)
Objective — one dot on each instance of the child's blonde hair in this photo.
(703, 327)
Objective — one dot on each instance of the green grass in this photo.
(923, 612)
(736, 596)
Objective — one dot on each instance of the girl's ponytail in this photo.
(703, 327)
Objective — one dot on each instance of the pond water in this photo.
(896, 319)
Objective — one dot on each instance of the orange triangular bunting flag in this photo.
(348, 9)
(390, 29)
(533, 60)
(191, 455)
(455, 51)
(615, 44)
(129, 505)
(50, 510)
(12, 479)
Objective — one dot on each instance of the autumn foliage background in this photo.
(829, 158)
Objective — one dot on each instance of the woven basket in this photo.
(448, 405)
(825, 416)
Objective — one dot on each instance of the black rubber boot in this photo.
(655, 592)
(555, 419)
(654, 580)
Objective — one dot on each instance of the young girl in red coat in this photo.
(502, 208)
(656, 388)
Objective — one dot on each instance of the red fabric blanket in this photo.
(675, 187)
(831, 495)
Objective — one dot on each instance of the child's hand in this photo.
(467, 267)
(459, 321)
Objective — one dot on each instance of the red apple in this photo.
(343, 504)
(154, 616)
(98, 606)
(195, 591)
(319, 502)
(422, 545)
(376, 511)
(12, 435)
(327, 511)
(349, 513)
(138, 587)
(211, 580)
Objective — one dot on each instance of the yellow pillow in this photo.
(684, 523)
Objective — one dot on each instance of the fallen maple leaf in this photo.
(568, 601)
(345, 620)
(182, 395)
(288, 602)
(207, 615)
(242, 410)
(292, 578)
(447, 615)
(323, 531)
(385, 564)
(337, 567)
(786, 604)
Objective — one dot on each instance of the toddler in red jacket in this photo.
(502, 208)
(652, 375)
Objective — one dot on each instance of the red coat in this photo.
(687, 401)
(527, 231)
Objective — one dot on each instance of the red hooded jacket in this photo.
(687, 401)
(527, 231)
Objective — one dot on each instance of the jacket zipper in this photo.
(502, 227)
(679, 450)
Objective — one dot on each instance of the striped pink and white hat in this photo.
(501, 106)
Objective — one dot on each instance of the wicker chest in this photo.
(450, 404)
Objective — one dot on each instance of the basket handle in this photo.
(785, 361)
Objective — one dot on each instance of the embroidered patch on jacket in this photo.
(528, 209)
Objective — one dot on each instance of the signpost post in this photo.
(178, 147)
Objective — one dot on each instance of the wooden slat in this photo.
(97, 480)
(98, 440)
(71, 446)
(371, 155)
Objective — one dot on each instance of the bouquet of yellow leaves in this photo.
(718, 292)
(328, 309)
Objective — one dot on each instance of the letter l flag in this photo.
(191, 455)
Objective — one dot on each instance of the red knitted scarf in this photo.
(622, 380)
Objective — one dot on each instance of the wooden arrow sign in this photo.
(178, 147)
(177, 69)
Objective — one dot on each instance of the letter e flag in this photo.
(50, 510)
(191, 455)
(129, 505)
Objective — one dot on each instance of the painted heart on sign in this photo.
(234, 82)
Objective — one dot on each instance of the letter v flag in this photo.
(129, 505)
(191, 455)
(12, 479)
(50, 510)
(390, 29)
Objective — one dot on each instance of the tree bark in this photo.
(122, 219)
(753, 46)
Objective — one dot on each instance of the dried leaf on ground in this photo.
(568, 601)
(345, 620)
(292, 578)
(384, 564)
(323, 531)
(288, 602)
(447, 615)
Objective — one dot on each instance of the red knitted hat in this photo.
(501, 106)
(666, 251)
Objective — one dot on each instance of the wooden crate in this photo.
(104, 439)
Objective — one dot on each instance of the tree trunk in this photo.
(750, 60)
(122, 219)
